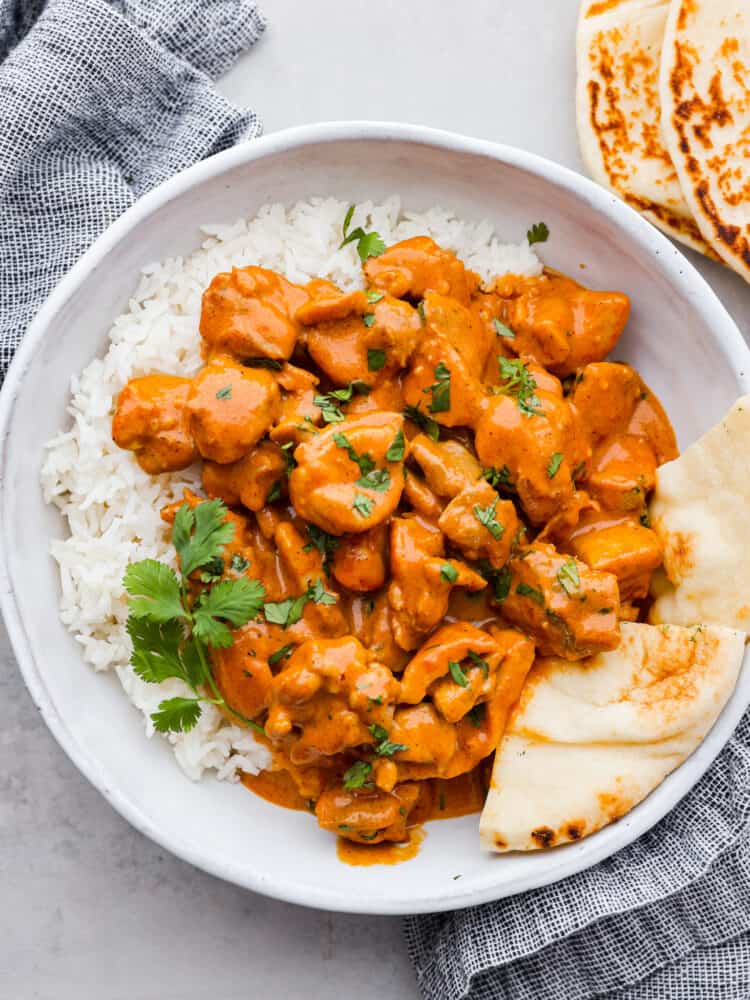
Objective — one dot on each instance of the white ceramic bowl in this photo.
(679, 337)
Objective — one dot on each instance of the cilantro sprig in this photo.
(383, 746)
(426, 424)
(368, 244)
(172, 628)
(328, 402)
(440, 389)
(289, 611)
(539, 233)
(487, 517)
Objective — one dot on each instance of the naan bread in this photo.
(701, 512)
(705, 101)
(618, 50)
(590, 739)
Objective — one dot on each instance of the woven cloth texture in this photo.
(100, 101)
(667, 917)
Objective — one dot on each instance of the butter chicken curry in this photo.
(434, 480)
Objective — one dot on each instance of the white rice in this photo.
(112, 507)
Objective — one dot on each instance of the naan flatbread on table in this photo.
(589, 740)
(618, 48)
(705, 102)
(701, 513)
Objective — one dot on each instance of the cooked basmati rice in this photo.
(112, 506)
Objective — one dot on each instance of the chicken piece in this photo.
(243, 672)
(249, 312)
(623, 473)
(621, 546)
(458, 666)
(612, 399)
(418, 265)
(230, 409)
(559, 323)
(344, 482)
(372, 621)
(530, 430)
(298, 416)
(305, 572)
(380, 338)
(569, 609)
(249, 481)
(482, 525)
(330, 694)
(367, 816)
(328, 303)
(151, 420)
(360, 561)
(422, 579)
(447, 466)
(421, 498)
(437, 748)
(384, 396)
(443, 380)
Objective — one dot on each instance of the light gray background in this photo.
(89, 909)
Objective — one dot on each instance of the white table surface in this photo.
(89, 909)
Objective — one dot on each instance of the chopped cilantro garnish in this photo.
(329, 402)
(478, 661)
(358, 776)
(501, 584)
(524, 590)
(553, 466)
(362, 504)
(373, 295)
(383, 746)
(375, 359)
(325, 544)
(457, 673)
(539, 233)
(502, 330)
(239, 564)
(568, 577)
(519, 382)
(282, 653)
(448, 573)
(376, 479)
(499, 478)
(396, 448)
(274, 493)
(368, 319)
(486, 516)
(225, 393)
(270, 363)
(441, 389)
(476, 717)
(430, 427)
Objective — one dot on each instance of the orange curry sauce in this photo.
(435, 480)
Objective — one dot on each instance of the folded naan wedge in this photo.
(701, 512)
(619, 44)
(589, 740)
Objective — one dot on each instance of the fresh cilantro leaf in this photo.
(213, 570)
(195, 661)
(330, 412)
(319, 595)
(154, 591)
(377, 479)
(274, 493)
(457, 673)
(328, 402)
(325, 544)
(369, 320)
(531, 592)
(539, 233)
(486, 516)
(176, 715)
(430, 427)
(270, 363)
(373, 295)
(476, 717)
(500, 479)
(281, 653)
(568, 577)
(287, 612)
(383, 746)
(375, 359)
(578, 472)
(156, 648)
(645, 520)
(358, 776)
(441, 389)
(519, 382)
(502, 330)
(363, 505)
(420, 310)
(237, 601)
(553, 466)
(289, 459)
(225, 393)
(396, 449)
(364, 461)
(478, 661)
(448, 573)
(200, 533)
(501, 584)
(239, 564)
(368, 244)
